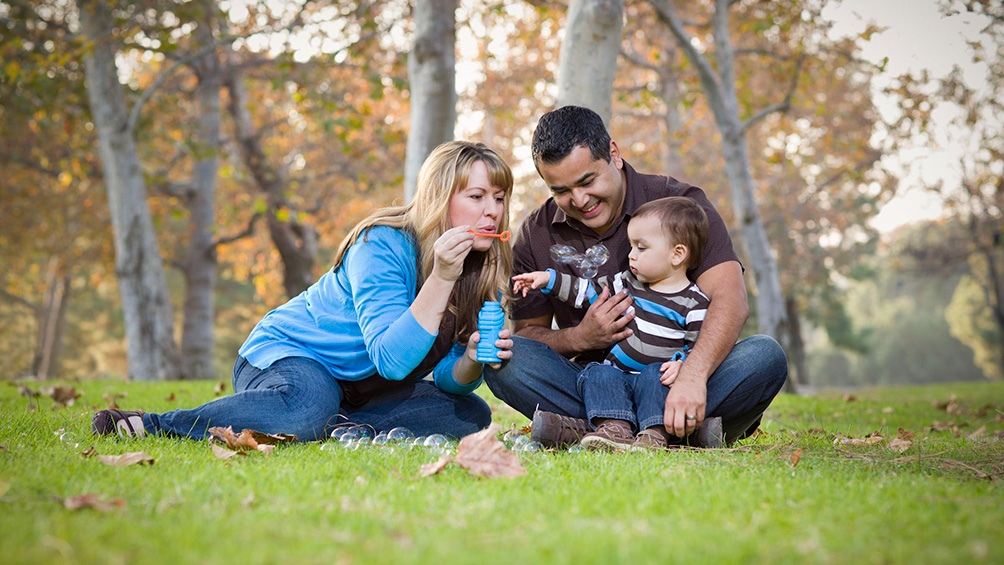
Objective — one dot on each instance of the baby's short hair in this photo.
(683, 221)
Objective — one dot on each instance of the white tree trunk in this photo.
(432, 78)
(197, 336)
(589, 52)
(720, 88)
(146, 305)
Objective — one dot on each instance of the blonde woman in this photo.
(399, 304)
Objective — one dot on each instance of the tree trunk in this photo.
(796, 349)
(589, 52)
(51, 323)
(432, 80)
(200, 265)
(296, 242)
(146, 304)
(720, 88)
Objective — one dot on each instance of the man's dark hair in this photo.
(559, 131)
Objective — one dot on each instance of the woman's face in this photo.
(478, 205)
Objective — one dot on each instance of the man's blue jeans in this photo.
(739, 391)
(299, 396)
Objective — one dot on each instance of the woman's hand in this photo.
(450, 250)
(504, 343)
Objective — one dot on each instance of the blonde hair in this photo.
(445, 172)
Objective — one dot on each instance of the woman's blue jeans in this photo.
(739, 391)
(299, 396)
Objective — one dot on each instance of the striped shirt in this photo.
(665, 325)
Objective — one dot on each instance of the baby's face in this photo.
(651, 257)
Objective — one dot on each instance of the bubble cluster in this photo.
(518, 441)
(354, 436)
(587, 263)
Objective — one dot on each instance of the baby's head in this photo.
(683, 222)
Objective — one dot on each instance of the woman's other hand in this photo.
(504, 343)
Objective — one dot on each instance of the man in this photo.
(593, 194)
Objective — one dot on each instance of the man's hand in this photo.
(687, 397)
(605, 321)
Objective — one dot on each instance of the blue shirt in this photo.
(356, 321)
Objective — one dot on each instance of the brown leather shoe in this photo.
(652, 438)
(709, 435)
(610, 435)
(555, 430)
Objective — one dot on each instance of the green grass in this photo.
(940, 501)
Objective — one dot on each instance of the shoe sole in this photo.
(597, 443)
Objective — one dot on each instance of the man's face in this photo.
(589, 190)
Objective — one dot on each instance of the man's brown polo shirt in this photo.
(548, 225)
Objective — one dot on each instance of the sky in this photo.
(918, 37)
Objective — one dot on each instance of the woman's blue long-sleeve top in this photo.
(356, 321)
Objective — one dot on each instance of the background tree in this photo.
(432, 84)
(589, 51)
(139, 267)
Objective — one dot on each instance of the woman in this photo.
(400, 302)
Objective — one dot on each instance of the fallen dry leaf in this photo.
(869, 439)
(850, 398)
(482, 454)
(126, 459)
(223, 453)
(980, 432)
(902, 441)
(89, 452)
(219, 388)
(62, 395)
(95, 501)
(249, 440)
(795, 457)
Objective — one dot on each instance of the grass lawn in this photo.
(832, 480)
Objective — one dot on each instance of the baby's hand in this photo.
(527, 281)
(670, 370)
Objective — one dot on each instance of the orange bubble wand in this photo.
(504, 236)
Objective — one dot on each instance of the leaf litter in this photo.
(482, 454)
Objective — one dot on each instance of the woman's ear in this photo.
(680, 255)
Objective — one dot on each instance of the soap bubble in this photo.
(563, 254)
(400, 434)
(511, 435)
(330, 446)
(364, 431)
(598, 254)
(380, 439)
(435, 440)
(532, 446)
(577, 448)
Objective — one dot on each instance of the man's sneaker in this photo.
(710, 434)
(122, 422)
(610, 435)
(652, 438)
(554, 430)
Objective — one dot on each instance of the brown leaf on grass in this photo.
(62, 395)
(946, 427)
(95, 501)
(430, 469)
(271, 439)
(224, 453)
(902, 441)
(869, 439)
(171, 398)
(980, 432)
(795, 457)
(219, 388)
(482, 454)
(951, 406)
(127, 459)
(89, 452)
(249, 440)
(850, 398)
